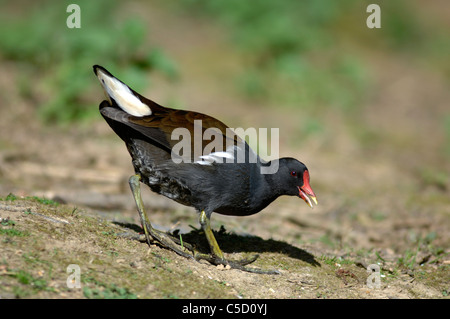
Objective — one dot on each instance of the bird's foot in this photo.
(171, 242)
(235, 264)
(188, 251)
(165, 240)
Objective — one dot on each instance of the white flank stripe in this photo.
(222, 155)
(203, 163)
(215, 157)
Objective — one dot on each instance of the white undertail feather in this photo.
(123, 96)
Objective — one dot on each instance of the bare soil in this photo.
(382, 197)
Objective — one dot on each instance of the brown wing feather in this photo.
(161, 123)
(166, 120)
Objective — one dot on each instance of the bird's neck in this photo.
(268, 187)
(272, 182)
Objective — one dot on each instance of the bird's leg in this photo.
(217, 257)
(152, 234)
(213, 245)
(168, 241)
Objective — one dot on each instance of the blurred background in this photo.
(367, 110)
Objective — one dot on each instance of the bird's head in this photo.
(294, 176)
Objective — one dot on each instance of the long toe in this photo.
(239, 264)
(169, 242)
(246, 261)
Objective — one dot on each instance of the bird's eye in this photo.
(293, 173)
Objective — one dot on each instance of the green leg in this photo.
(134, 182)
(213, 245)
(152, 234)
(186, 250)
(217, 257)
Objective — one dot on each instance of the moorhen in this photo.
(232, 180)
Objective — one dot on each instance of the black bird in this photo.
(231, 180)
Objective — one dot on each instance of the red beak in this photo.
(305, 192)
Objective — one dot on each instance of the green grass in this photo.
(334, 261)
(285, 45)
(295, 52)
(316, 57)
(105, 291)
(55, 62)
(9, 197)
(25, 281)
(434, 177)
(13, 232)
(7, 228)
(108, 292)
(7, 222)
(42, 200)
(420, 243)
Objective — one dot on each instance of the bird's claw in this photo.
(235, 264)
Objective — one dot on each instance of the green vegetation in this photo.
(27, 279)
(7, 228)
(313, 62)
(424, 246)
(316, 55)
(56, 62)
(45, 201)
(9, 197)
(281, 41)
(287, 46)
(12, 232)
(105, 291)
(7, 222)
(116, 268)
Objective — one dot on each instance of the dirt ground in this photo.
(384, 198)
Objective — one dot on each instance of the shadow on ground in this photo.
(234, 243)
